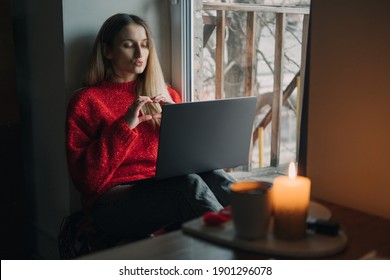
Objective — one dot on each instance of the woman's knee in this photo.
(193, 179)
(195, 184)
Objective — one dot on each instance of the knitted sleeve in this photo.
(95, 150)
(175, 96)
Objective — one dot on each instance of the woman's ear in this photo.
(106, 51)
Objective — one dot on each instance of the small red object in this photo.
(217, 218)
(227, 211)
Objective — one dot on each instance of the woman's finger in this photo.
(160, 99)
(134, 111)
(145, 118)
(156, 116)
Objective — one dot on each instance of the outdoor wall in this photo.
(52, 42)
(348, 91)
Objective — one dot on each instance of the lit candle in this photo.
(291, 195)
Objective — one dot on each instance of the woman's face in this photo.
(129, 53)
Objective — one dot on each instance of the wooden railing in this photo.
(279, 95)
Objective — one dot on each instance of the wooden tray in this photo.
(312, 246)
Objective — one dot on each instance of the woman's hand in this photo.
(132, 116)
(161, 99)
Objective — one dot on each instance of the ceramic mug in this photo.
(251, 208)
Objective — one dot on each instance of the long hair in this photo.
(149, 83)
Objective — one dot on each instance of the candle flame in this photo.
(292, 172)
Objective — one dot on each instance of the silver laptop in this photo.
(205, 135)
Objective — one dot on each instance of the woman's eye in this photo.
(145, 44)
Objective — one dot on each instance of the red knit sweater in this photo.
(102, 150)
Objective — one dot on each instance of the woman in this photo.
(112, 133)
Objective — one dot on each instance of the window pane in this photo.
(233, 75)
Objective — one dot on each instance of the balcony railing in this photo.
(279, 96)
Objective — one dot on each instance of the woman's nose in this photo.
(137, 52)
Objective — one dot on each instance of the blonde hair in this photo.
(149, 83)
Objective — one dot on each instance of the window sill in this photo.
(267, 174)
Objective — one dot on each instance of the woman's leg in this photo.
(139, 210)
(219, 182)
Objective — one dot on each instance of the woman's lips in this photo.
(139, 62)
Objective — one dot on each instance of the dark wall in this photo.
(9, 107)
(12, 238)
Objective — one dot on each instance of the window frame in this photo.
(181, 42)
(182, 24)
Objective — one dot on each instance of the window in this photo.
(252, 49)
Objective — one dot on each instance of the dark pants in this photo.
(137, 210)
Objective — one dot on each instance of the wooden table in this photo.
(366, 233)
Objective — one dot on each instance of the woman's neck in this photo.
(122, 79)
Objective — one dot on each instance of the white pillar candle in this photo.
(291, 196)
